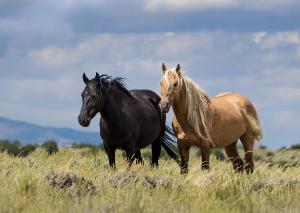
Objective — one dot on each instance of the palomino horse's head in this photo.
(91, 100)
(170, 86)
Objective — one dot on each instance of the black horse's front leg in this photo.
(111, 155)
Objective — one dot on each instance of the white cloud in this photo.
(257, 37)
(277, 39)
(34, 90)
(191, 5)
(182, 5)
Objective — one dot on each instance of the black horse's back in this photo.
(147, 95)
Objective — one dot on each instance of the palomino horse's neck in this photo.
(191, 106)
(180, 107)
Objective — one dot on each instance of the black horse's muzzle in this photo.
(84, 121)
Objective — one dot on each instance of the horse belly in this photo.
(227, 134)
(150, 131)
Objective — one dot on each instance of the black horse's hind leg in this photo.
(111, 155)
(136, 156)
(156, 150)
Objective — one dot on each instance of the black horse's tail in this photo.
(168, 141)
(168, 136)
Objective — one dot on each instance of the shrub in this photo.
(262, 147)
(296, 146)
(26, 150)
(10, 148)
(50, 147)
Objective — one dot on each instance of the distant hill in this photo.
(31, 133)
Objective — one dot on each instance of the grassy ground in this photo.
(80, 181)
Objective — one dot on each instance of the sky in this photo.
(249, 47)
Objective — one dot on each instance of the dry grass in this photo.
(78, 181)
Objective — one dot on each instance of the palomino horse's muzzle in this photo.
(164, 106)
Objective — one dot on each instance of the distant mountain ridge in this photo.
(32, 133)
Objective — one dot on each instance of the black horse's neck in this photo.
(115, 107)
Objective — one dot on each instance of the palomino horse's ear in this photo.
(163, 67)
(85, 79)
(178, 69)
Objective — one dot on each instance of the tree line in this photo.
(15, 148)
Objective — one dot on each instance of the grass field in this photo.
(76, 180)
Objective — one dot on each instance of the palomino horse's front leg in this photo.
(205, 158)
(184, 150)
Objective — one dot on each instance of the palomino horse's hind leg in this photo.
(233, 155)
(156, 150)
(184, 150)
(248, 143)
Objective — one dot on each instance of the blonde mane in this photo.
(197, 106)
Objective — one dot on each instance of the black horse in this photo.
(130, 120)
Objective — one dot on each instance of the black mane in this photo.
(108, 82)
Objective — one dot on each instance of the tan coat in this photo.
(208, 122)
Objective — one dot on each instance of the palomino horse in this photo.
(209, 122)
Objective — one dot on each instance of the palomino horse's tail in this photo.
(168, 141)
(253, 125)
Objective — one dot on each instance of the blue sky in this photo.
(250, 47)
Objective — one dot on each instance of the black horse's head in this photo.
(92, 100)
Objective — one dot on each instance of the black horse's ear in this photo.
(178, 69)
(163, 68)
(97, 77)
(85, 79)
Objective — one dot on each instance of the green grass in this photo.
(24, 186)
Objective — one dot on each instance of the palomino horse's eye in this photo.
(175, 84)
